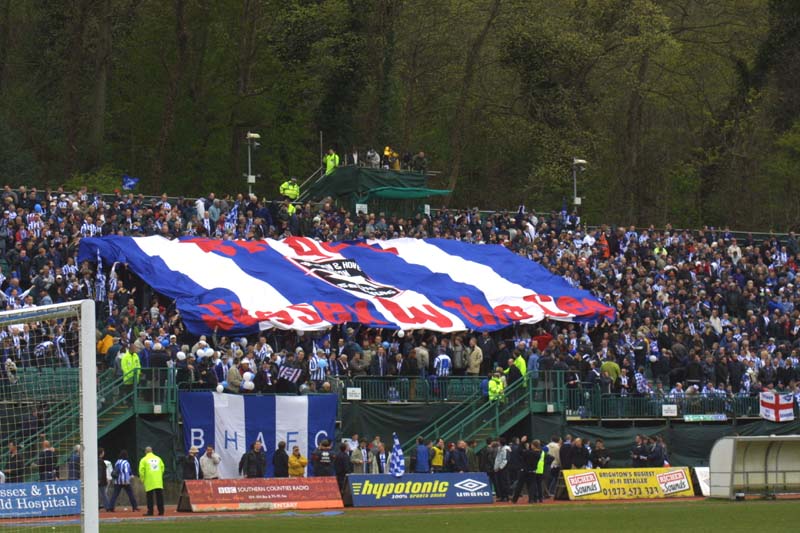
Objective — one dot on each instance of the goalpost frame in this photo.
(89, 477)
(84, 309)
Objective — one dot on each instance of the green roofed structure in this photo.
(358, 185)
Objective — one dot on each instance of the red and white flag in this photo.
(777, 407)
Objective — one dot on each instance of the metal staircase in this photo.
(478, 418)
(117, 403)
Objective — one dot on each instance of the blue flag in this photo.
(397, 465)
(129, 183)
(100, 281)
(232, 218)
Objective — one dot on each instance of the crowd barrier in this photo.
(628, 483)
(259, 494)
(376, 490)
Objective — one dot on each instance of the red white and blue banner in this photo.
(298, 283)
(777, 407)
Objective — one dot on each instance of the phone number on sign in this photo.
(631, 491)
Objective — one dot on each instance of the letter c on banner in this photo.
(317, 440)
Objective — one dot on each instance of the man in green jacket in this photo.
(521, 364)
(151, 472)
(331, 161)
(290, 189)
(496, 387)
(130, 366)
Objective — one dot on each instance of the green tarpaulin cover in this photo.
(363, 183)
(405, 193)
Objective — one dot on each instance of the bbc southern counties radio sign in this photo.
(46, 498)
(628, 483)
(378, 490)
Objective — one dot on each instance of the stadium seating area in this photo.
(705, 318)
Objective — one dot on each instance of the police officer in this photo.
(131, 367)
(331, 161)
(290, 189)
(533, 460)
(151, 472)
(496, 387)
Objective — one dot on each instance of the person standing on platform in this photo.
(209, 463)
(342, 466)
(422, 463)
(151, 472)
(361, 458)
(191, 465)
(253, 464)
(323, 458)
(280, 461)
(297, 463)
(331, 161)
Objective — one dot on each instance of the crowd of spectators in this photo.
(698, 311)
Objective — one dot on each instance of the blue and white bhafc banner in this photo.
(298, 283)
(232, 423)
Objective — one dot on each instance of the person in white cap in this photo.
(191, 465)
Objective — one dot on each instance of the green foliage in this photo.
(679, 106)
(105, 180)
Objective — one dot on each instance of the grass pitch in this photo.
(612, 517)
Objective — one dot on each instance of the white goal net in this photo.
(48, 419)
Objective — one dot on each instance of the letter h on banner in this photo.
(234, 439)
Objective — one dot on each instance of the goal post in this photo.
(48, 420)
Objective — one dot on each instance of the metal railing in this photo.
(156, 386)
(591, 403)
(411, 389)
(479, 417)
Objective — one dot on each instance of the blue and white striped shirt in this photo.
(442, 365)
(316, 370)
(66, 270)
(123, 467)
(88, 229)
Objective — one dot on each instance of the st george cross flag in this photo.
(397, 465)
(240, 287)
(777, 407)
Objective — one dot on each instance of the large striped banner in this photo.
(233, 422)
(241, 287)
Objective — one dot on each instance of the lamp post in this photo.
(577, 164)
(251, 143)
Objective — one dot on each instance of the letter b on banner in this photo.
(198, 438)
